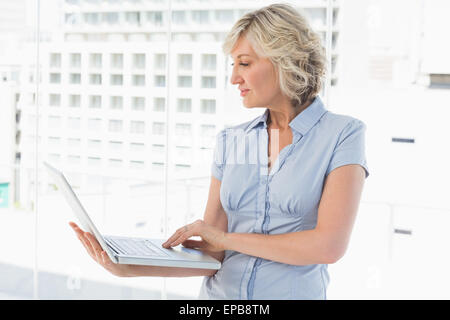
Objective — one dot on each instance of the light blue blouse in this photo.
(282, 201)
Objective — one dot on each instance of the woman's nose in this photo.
(235, 77)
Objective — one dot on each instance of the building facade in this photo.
(115, 97)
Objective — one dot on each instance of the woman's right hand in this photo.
(96, 252)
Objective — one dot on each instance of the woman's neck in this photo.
(280, 117)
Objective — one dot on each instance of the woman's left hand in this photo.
(213, 239)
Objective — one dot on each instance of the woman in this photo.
(276, 219)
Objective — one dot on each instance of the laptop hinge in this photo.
(112, 247)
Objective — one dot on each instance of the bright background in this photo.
(126, 97)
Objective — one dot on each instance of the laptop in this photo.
(130, 250)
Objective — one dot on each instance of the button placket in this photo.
(249, 272)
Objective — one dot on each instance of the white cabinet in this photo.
(401, 250)
(361, 273)
(420, 254)
(397, 252)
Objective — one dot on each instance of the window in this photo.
(139, 165)
(54, 100)
(159, 104)
(95, 124)
(200, 16)
(115, 126)
(208, 106)
(95, 60)
(184, 81)
(158, 166)
(185, 61)
(74, 123)
(115, 163)
(158, 149)
(183, 154)
(116, 60)
(160, 61)
(74, 100)
(116, 80)
(133, 18)
(75, 60)
(110, 18)
(94, 161)
(209, 62)
(138, 103)
(75, 78)
(138, 80)
(139, 61)
(72, 18)
(208, 82)
(115, 145)
(155, 18)
(91, 18)
(208, 130)
(160, 81)
(95, 102)
(178, 17)
(55, 78)
(158, 128)
(224, 16)
(55, 60)
(137, 147)
(116, 103)
(95, 79)
(108, 95)
(183, 129)
(317, 17)
(74, 142)
(94, 144)
(137, 127)
(184, 105)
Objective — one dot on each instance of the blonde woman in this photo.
(278, 218)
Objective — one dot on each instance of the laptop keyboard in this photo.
(136, 247)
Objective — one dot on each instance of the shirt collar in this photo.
(302, 123)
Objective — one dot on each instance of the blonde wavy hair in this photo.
(279, 32)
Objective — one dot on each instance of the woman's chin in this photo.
(248, 104)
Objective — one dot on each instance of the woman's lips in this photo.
(244, 92)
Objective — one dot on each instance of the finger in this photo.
(73, 224)
(84, 241)
(183, 237)
(106, 260)
(75, 228)
(193, 229)
(87, 245)
(96, 248)
(171, 238)
(200, 244)
(175, 236)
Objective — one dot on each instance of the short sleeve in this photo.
(350, 148)
(218, 156)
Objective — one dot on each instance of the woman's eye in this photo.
(241, 64)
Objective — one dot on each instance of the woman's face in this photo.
(255, 76)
